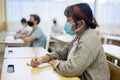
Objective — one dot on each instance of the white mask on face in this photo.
(23, 25)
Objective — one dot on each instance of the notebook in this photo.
(41, 65)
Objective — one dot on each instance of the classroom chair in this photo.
(114, 71)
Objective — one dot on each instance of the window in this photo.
(108, 11)
(46, 9)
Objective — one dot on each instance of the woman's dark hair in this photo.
(54, 21)
(23, 20)
(94, 21)
(36, 18)
(81, 11)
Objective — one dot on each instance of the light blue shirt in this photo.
(40, 40)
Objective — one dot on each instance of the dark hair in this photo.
(54, 21)
(36, 18)
(81, 11)
(94, 21)
(23, 20)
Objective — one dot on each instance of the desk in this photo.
(112, 51)
(24, 72)
(24, 52)
(63, 37)
(10, 33)
(8, 40)
(59, 40)
(111, 37)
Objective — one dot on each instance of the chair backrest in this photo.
(47, 42)
(114, 71)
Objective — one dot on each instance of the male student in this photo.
(25, 28)
(36, 38)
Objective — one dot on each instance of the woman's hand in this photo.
(36, 61)
(53, 62)
(15, 37)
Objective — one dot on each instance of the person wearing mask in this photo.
(25, 28)
(56, 28)
(83, 57)
(36, 38)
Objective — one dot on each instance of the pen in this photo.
(36, 54)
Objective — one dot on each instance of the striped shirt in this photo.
(87, 60)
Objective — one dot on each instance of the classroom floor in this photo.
(1, 62)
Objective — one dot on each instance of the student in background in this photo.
(36, 38)
(56, 28)
(25, 28)
(24, 31)
(84, 57)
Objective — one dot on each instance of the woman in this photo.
(84, 56)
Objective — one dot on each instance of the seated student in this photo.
(24, 31)
(84, 57)
(36, 38)
(25, 28)
(56, 28)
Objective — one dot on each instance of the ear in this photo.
(35, 22)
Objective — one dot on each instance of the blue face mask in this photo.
(68, 29)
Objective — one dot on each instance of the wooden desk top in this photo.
(24, 72)
(24, 52)
(8, 38)
(112, 50)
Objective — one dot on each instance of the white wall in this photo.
(13, 26)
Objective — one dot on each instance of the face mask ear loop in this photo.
(79, 27)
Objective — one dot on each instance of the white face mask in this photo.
(23, 25)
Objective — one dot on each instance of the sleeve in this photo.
(76, 64)
(60, 54)
(37, 33)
